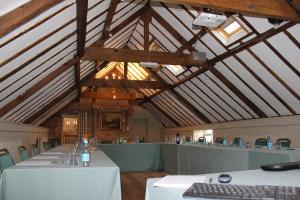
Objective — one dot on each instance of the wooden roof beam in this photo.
(23, 14)
(81, 12)
(146, 19)
(264, 8)
(128, 55)
(135, 84)
(106, 29)
(77, 76)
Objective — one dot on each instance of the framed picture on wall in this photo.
(111, 120)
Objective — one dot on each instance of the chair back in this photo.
(34, 150)
(261, 142)
(23, 153)
(284, 142)
(236, 141)
(46, 146)
(201, 139)
(6, 160)
(219, 140)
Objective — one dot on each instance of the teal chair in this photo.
(236, 141)
(261, 142)
(6, 160)
(219, 140)
(34, 150)
(284, 142)
(47, 146)
(23, 153)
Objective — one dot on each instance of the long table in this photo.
(250, 177)
(201, 159)
(192, 158)
(60, 181)
(134, 157)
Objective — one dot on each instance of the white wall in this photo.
(154, 125)
(12, 135)
(250, 129)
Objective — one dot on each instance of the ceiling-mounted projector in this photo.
(209, 20)
(148, 64)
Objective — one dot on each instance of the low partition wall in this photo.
(193, 158)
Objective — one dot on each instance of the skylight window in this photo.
(232, 28)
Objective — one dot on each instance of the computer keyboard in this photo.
(254, 192)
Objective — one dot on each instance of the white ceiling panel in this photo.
(295, 31)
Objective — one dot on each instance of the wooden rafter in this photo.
(36, 87)
(263, 8)
(186, 103)
(106, 29)
(81, 13)
(77, 75)
(116, 95)
(21, 15)
(135, 84)
(128, 55)
(146, 20)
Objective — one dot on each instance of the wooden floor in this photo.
(133, 184)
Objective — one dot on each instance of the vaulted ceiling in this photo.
(44, 62)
